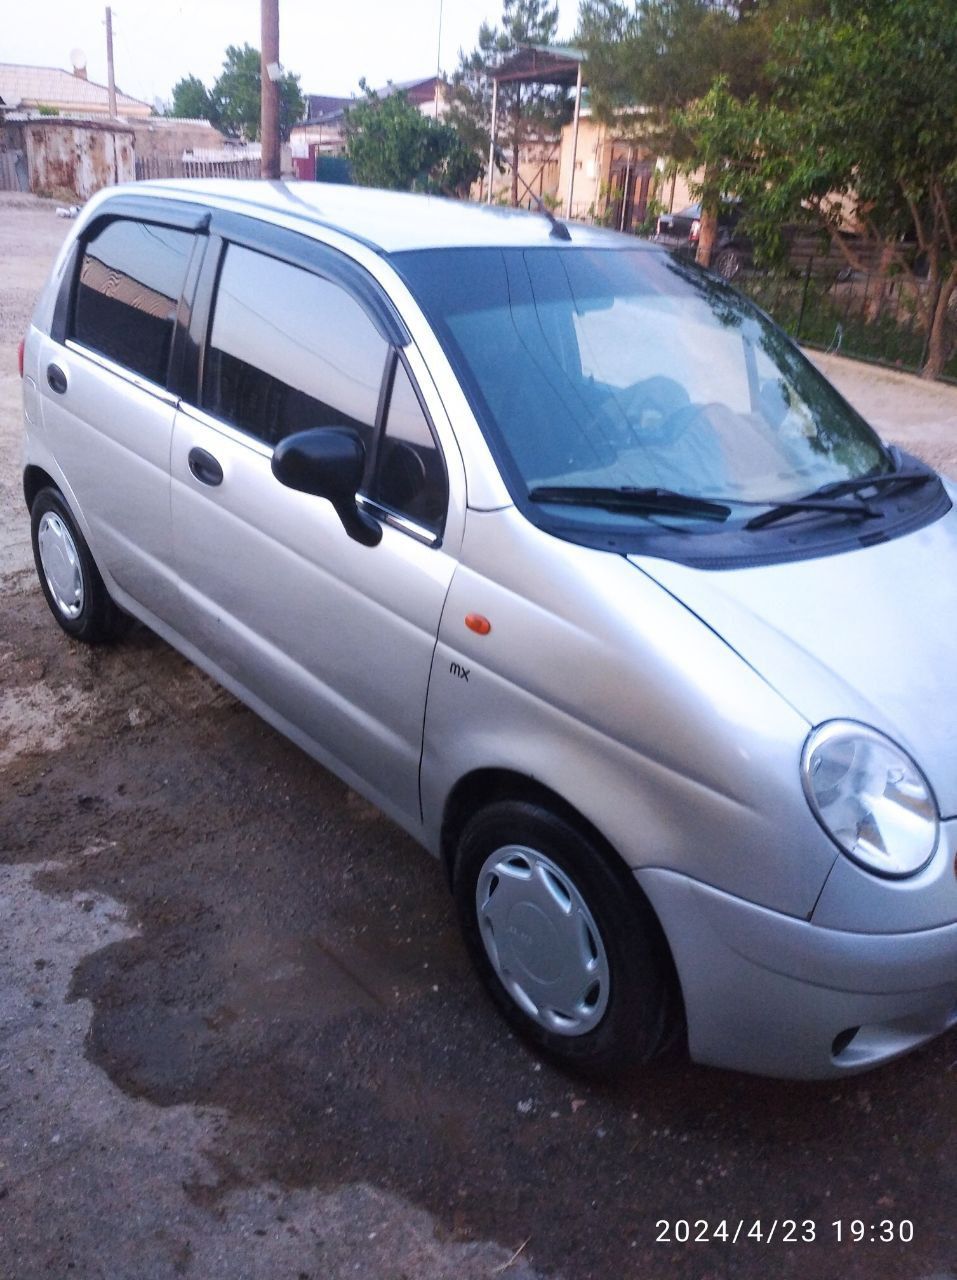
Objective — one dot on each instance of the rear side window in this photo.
(289, 351)
(131, 279)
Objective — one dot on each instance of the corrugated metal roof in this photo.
(27, 86)
(321, 106)
(323, 109)
(539, 64)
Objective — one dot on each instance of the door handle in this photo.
(56, 378)
(205, 467)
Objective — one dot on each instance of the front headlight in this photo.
(870, 798)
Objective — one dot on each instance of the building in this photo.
(322, 133)
(618, 182)
(52, 91)
(590, 170)
(58, 138)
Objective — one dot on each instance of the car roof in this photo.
(388, 221)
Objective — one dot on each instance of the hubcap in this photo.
(542, 940)
(61, 564)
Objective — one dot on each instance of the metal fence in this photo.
(171, 167)
(881, 318)
(13, 171)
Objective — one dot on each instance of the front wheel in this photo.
(71, 582)
(563, 940)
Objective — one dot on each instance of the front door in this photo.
(330, 639)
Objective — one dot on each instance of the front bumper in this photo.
(777, 996)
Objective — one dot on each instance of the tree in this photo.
(192, 100)
(524, 111)
(236, 94)
(459, 167)
(391, 144)
(861, 120)
(649, 62)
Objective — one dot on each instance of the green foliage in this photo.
(808, 110)
(44, 110)
(391, 144)
(860, 121)
(192, 100)
(236, 91)
(235, 98)
(650, 63)
(649, 60)
(523, 111)
(460, 165)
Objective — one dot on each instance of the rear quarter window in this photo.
(130, 281)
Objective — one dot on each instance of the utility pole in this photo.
(270, 73)
(111, 81)
(438, 63)
(491, 145)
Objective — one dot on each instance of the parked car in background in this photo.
(732, 248)
(561, 553)
(675, 228)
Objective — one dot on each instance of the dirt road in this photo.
(239, 1036)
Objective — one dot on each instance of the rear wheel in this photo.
(728, 263)
(71, 582)
(562, 938)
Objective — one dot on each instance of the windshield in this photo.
(623, 369)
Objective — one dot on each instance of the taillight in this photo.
(20, 345)
(695, 230)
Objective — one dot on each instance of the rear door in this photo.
(332, 640)
(107, 407)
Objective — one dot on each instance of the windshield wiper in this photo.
(782, 510)
(626, 498)
(890, 479)
(828, 496)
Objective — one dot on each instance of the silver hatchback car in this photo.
(561, 553)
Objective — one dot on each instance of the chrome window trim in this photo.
(226, 429)
(404, 525)
(121, 371)
(392, 518)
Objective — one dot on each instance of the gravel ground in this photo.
(239, 1036)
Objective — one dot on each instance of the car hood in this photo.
(869, 635)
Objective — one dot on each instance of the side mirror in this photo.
(328, 462)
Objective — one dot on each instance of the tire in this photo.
(728, 263)
(70, 580)
(563, 940)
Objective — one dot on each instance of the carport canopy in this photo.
(539, 64)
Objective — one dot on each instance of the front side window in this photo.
(409, 475)
(290, 351)
(131, 279)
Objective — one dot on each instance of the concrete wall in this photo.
(328, 139)
(605, 163)
(167, 138)
(591, 169)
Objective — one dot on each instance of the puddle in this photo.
(87, 1172)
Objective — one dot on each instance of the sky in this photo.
(330, 46)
